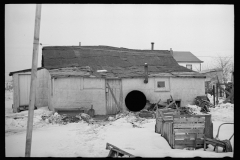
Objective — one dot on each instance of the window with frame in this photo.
(189, 66)
(161, 84)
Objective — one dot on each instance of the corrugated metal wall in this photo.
(116, 86)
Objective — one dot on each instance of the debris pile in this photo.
(204, 103)
(65, 119)
(195, 110)
(153, 106)
(146, 114)
(186, 110)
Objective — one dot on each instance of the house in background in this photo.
(188, 60)
(212, 77)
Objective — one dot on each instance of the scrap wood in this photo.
(204, 104)
(154, 106)
(174, 103)
(115, 151)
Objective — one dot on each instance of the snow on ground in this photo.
(89, 140)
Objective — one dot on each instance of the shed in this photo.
(109, 78)
(21, 88)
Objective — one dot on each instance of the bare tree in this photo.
(226, 64)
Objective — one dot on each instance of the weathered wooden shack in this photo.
(21, 88)
(109, 78)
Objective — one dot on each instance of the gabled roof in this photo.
(119, 62)
(185, 56)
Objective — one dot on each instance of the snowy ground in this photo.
(89, 140)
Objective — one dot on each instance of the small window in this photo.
(161, 84)
(189, 66)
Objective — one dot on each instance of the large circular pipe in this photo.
(135, 100)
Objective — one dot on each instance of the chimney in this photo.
(146, 73)
(79, 43)
(152, 45)
(171, 51)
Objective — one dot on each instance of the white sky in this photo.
(204, 30)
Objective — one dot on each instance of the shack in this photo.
(21, 88)
(111, 79)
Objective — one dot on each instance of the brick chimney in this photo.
(152, 45)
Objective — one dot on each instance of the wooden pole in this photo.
(217, 93)
(232, 100)
(214, 95)
(33, 81)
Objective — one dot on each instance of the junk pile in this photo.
(65, 119)
(204, 103)
(186, 110)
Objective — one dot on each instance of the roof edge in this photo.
(25, 70)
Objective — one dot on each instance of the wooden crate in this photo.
(188, 131)
(182, 131)
(163, 115)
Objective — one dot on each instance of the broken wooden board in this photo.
(187, 125)
(115, 151)
(188, 136)
(200, 130)
(190, 119)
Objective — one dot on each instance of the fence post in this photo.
(214, 95)
(217, 94)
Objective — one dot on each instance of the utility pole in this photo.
(33, 81)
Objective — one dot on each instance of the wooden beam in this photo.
(115, 100)
(33, 81)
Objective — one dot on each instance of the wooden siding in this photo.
(77, 92)
(116, 87)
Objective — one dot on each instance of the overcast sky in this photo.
(205, 30)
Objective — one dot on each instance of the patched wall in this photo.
(187, 89)
(77, 92)
(42, 88)
(149, 89)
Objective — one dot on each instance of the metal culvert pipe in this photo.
(135, 101)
